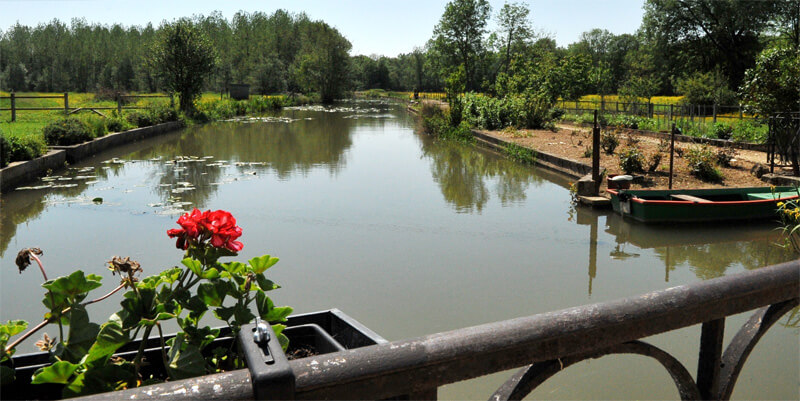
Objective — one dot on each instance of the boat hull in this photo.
(700, 205)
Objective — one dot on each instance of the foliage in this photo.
(789, 213)
(68, 131)
(23, 147)
(750, 131)
(701, 160)
(514, 31)
(722, 130)
(82, 361)
(323, 62)
(458, 39)
(705, 88)
(183, 57)
(725, 155)
(653, 161)
(609, 140)
(5, 151)
(152, 116)
(773, 84)
(521, 154)
(437, 123)
(631, 160)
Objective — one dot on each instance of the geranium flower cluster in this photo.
(218, 228)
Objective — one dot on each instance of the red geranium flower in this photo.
(218, 226)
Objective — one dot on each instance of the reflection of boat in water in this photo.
(695, 205)
(659, 236)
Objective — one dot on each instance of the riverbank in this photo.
(17, 173)
(568, 150)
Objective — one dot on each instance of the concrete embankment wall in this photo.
(568, 167)
(18, 173)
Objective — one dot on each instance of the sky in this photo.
(374, 27)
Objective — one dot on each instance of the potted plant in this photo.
(130, 348)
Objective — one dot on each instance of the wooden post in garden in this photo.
(715, 112)
(671, 153)
(596, 154)
(119, 104)
(66, 103)
(13, 107)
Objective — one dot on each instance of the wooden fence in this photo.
(693, 112)
(120, 100)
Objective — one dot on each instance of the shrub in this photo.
(19, 148)
(68, 131)
(701, 163)
(750, 131)
(631, 160)
(724, 156)
(116, 124)
(721, 130)
(609, 140)
(653, 161)
(5, 151)
(152, 116)
(96, 124)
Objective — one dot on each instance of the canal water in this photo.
(407, 234)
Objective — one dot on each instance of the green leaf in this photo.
(242, 315)
(82, 334)
(235, 268)
(211, 274)
(211, 294)
(262, 263)
(282, 339)
(224, 313)
(278, 314)
(101, 379)
(185, 360)
(194, 265)
(263, 304)
(13, 327)
(59, 372)
(75, 286)
(109, 339)
(264, 284)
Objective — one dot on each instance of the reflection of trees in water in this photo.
(20, 206)
(713, 260)
(461, 170)
(286, 148)
(709, 249)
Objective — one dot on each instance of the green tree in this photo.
(710, 32)
(183, 57)
(705, 88)
(458, 39)
(773, 85)
(323, 63)
(514, 31)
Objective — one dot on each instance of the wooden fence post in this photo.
(13, 107)
(715, 112)
(66, 103)
(596, 155)
(671, 153)
(119, 104)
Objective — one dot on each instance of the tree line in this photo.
(707, 50)
(278, 52)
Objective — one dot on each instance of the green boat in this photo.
(700, 205)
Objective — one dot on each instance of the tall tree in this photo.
(514, 30)
(458, 38)
(711, 31)
(184, 57)
(323, 63)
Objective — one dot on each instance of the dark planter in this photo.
(323, 332)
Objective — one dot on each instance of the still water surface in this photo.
(409, 235)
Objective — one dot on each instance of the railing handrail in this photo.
(412, 366)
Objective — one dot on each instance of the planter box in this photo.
(325, 331)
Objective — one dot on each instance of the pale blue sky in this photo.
(372, 26)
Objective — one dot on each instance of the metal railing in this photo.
(541, 344)
(120, 99)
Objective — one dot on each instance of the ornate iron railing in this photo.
(542, 344)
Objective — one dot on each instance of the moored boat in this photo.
(700, 205)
